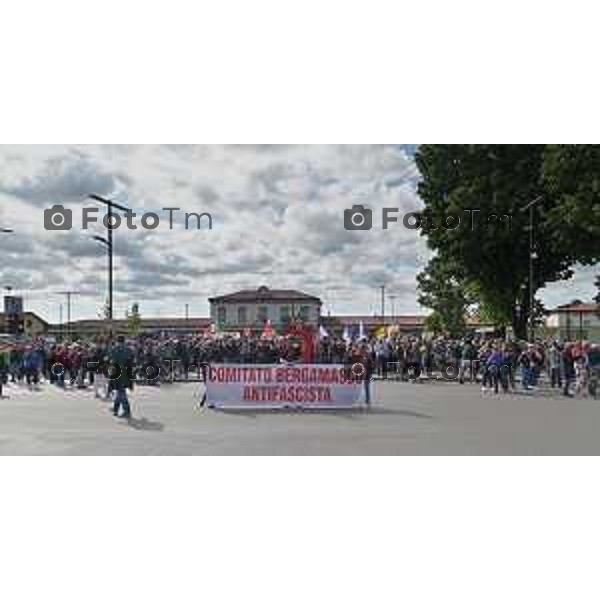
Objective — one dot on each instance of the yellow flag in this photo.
(380, 331)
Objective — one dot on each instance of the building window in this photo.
(222, 315)
(262, 314)
(242, 315)
(284, 314)
(304, 313)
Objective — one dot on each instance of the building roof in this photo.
(400, 320)
(371, 321)
(145, 324)
(265, 294)
(576, 307)
(26, 314)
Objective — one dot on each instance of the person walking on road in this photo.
(468, 355)
(554, 361)
(568, 361)
(4, 365)
(121, 380)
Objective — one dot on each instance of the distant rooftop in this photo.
(265, 294)
(577, 307)
(400, 320)
(26, 314)
(146, 324)
(370, 320)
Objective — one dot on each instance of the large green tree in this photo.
(571, 175)
(440, 289)
(491, 255)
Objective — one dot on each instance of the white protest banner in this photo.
(281, 386)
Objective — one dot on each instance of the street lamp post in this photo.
(109, 247)
(108, 242)
(532, 256)
(68, 294)
(393, 301)
(3, 230)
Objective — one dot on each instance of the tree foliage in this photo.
(441, 291)
(104, 312)
(486, 255)
(433, 323)
(571, 175)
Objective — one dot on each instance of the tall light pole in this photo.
(532, 256)
(68, 294)
(383, 305)
(108, 242)
(3, 230)
(109, 249)
(392, 300)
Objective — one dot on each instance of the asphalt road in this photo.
(424, 419)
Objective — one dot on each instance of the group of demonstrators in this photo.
(496, 364)
(111, 366)
(67, 365)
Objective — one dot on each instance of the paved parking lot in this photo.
(432, 418)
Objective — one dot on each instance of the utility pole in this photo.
(7, 325)
(68, 295)
(392, 299)
(532, 257)
(108, 242)
(110, 267)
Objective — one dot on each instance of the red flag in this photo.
(268, 331)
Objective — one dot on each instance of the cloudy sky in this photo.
(277, 220)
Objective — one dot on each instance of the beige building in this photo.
(251, 309)
(573, 322)
(28, 323)
(89, 328)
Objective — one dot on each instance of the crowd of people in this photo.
(496, 365)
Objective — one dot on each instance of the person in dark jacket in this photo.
(568, 361)
(494, 366)
(4, 362)
(121, 379)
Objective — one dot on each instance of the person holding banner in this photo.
(363, 356)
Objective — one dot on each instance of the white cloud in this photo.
(278, 219)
